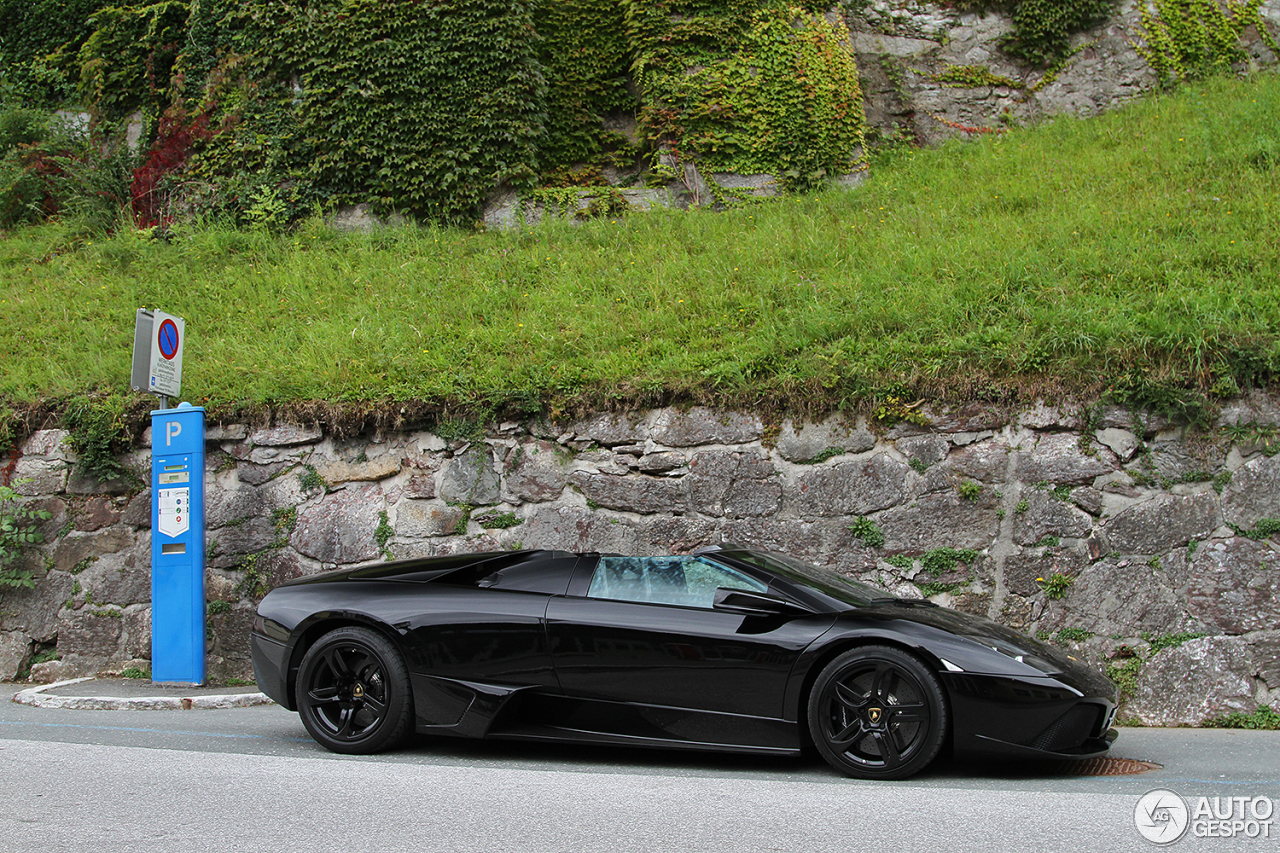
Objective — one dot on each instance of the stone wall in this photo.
(902, 45)
(1137, 544)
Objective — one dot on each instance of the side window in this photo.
(686, 581)
(703, 578)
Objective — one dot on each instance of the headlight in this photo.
(1022, 656)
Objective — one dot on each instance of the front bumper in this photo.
(1045, 717)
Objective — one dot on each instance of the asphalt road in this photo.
(251, 779)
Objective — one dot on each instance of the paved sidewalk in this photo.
(133, 694)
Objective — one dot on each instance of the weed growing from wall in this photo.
(19, 530)
(99, 433)
(868, 531)
(382, 535)
(941, 561)
(1264, 717)
(972, 76)
(501, 521)
(1056, 585)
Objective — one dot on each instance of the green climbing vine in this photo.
(423, 107)
(584, 50)
(1187, 39)
(1042, 29)
(39, 45)
(125, 65)
(19, 530)
(100, 431)
(265, 110)
(749, 87)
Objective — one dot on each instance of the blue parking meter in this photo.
(177, 544)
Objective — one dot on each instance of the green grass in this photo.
(1138, 245)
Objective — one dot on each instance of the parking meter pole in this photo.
(177, 545)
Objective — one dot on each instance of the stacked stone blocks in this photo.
(1139, 545)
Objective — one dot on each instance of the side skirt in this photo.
(446, 706)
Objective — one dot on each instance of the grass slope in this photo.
(1135, 252)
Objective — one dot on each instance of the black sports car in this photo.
(729, 649)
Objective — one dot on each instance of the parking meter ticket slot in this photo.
(175, 511)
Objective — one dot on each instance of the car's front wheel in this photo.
(353, 692)
(877, 712)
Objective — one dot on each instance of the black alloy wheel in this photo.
(877, 712)
(353, 692)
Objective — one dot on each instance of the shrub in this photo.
(23, 192)
(20, 126)
(149, 188)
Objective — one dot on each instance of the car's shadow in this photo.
(576, 757)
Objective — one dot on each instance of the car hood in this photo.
(991, 635)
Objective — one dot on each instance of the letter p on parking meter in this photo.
(177, 544)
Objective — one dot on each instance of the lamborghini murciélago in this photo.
(729, 649)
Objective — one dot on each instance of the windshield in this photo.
(826, 581)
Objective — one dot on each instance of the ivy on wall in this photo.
(583, 47)
(125, 65)
(1185, 39)
(215, 28)
(236, 106)
(266, 109)
(254, 166)
(1042, 29)
(39, 43)
(420, 107)
(748, 86)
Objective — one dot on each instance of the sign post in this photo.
(177, 502)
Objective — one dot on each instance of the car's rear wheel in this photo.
(353, 692)
(877, 712)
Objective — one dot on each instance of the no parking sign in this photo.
(157, 352)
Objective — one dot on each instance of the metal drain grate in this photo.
(1108, 767)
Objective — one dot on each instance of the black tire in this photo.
(877, 712)
(353, 692)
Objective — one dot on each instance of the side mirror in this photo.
(752, 603)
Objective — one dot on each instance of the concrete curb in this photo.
(36, 697)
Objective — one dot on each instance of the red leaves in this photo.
(168, 154)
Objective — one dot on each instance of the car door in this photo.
(644, 630)
(476, 637)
